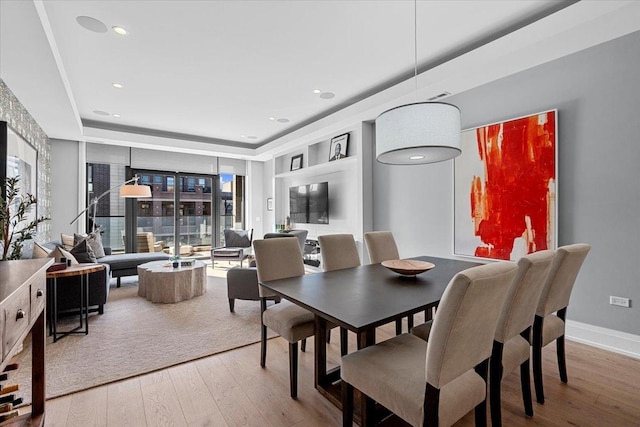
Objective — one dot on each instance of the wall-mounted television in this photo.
(309, 204)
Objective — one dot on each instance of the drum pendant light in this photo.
(418, 133)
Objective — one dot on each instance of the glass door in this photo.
(178, 218)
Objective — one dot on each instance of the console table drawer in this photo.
(17, 315)
(38, 292)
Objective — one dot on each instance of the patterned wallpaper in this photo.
(19, 119)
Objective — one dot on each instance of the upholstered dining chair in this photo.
(511, 346)
(439, 381)
(338, 252)
(547, 326)
(381, 246)
(280, 259)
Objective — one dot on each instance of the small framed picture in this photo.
(296, 162)
(338, 148)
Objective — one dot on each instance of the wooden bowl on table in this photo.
(407, 267)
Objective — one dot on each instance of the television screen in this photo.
(309, 204)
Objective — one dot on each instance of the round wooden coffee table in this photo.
(159, 282)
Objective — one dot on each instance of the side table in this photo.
(82, 270)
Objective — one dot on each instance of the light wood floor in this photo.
(230, 389)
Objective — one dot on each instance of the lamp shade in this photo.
(135, 191)
(424, 132)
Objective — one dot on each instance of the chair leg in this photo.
(344, 342)
(525, 383)
(495, 382)
(409, 322)
(562, 364)
(231, 304)
(293, 369)
(480, 411)
(431, 405)
(101, 309)
(304, 345)
(347, 404)
(263, 340)
(537, 358)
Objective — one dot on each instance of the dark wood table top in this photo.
(368, 296)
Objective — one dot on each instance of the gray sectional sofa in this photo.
(116, 265)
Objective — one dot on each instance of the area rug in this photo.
(135, 336)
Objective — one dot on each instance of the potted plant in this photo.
(14, 229)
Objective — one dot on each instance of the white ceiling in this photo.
(198, 75)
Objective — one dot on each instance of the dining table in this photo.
(360, 299)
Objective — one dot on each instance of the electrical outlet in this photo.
(620, 301)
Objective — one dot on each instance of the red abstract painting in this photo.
(505, 188)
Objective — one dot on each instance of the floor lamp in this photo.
(126, 191)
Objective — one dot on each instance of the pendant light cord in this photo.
(415, 47)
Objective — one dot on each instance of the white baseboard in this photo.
(607, 339)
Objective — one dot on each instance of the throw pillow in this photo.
(67, 241)
(236, 239)
(83, 253)
(58, 253)
(40, 251)
(94, 240)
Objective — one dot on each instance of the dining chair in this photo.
(381, 246)
(439, 381)
(555, 296)
(280, 259)
(339, 251)
(511, 344)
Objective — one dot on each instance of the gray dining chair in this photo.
(551, 313)
(339, 251)
(280, 259)
(439, 381)
(381, 246)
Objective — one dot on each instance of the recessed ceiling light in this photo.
(120, 31)
(283, 120)
(327, 95)
(116, 115)
(317, 91)
(91, 24)
(272, 118)
(117, 85)
(416, 157)
(101, 113)
(243, 136)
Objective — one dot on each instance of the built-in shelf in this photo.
(322, 168)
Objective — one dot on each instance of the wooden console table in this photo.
(22, 304)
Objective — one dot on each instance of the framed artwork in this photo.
(18, 158)
(505, 188)
(338, 149)
(296, 162)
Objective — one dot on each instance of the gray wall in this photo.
(64, 194)
(597, 95)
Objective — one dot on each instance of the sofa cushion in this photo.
(83, 252)
(67, 241)
(94, 240)
(131, 260)
(59, 253)
(40, 251)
